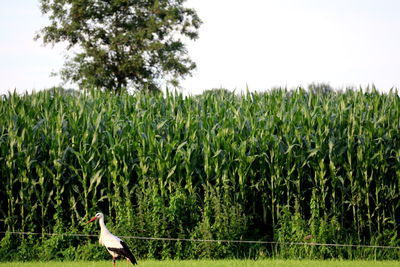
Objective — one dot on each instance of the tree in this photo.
(121, 44)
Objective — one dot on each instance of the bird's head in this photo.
(95, 217)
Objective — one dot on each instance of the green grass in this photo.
(210, 263)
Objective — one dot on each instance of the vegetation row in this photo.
(288, 166)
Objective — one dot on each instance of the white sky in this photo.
(255, 43)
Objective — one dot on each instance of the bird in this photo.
(114, 245)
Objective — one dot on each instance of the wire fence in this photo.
(214, 240)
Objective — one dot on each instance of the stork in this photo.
(114, 245)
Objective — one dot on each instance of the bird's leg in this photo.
(114, 262)
(127, 262)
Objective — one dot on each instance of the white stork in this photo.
(113, 244)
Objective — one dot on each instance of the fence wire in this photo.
(213, 240)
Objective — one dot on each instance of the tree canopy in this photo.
(121, 44)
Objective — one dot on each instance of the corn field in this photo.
(275, 166)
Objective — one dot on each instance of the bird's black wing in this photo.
(124, 251)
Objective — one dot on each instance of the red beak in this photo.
(91, 220)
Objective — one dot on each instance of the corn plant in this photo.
(276, 166)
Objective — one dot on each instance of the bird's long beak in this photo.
(91, 220)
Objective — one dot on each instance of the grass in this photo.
(210, 263)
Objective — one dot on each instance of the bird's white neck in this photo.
(103, 228)
(103, 232)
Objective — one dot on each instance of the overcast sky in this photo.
(255, 43)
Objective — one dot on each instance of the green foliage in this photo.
(211, 263)
(122, 44)
(289, 166)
